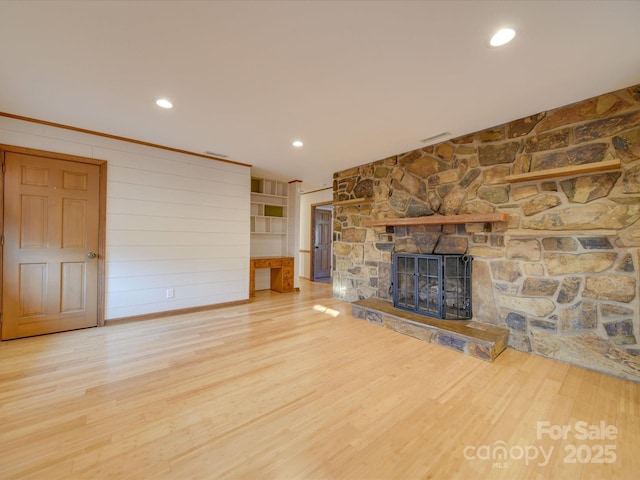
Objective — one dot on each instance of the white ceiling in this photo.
(355, 80)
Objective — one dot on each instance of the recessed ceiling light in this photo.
(164, 103)
(297, 143)
(502, 37)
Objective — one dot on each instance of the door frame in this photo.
(312, 239)
(102, 213)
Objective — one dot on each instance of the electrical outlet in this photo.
(170, 292)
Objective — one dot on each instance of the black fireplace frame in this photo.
(437, 286)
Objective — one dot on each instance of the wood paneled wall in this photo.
(174, 221)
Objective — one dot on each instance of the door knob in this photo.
(91, 255)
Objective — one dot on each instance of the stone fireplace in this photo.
(435, 285)
(560, 273)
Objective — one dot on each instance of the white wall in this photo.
(174, 221)
(306, 200)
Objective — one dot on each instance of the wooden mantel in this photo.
(439, 220)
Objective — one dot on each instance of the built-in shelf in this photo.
(264, 186)
(603, 166)
(269, 202)
(439, 220)
(353, 201)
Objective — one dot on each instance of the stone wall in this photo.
(562, 273)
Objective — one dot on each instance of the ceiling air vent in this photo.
(214, 154)
(435, 137)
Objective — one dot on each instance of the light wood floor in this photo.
(291, 386)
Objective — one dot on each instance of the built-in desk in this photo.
(281, 273)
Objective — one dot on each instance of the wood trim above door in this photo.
(102, 164)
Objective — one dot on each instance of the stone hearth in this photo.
(476, 339)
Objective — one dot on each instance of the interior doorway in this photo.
(53, 242)
(321, 233)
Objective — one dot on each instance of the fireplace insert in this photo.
(435, 285)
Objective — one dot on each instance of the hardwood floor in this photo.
(291, 386)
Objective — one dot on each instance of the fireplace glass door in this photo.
(435, 285)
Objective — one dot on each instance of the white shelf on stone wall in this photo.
(560, 233)
(603, 166)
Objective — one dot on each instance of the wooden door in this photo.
(51, 244)
(322, 244)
